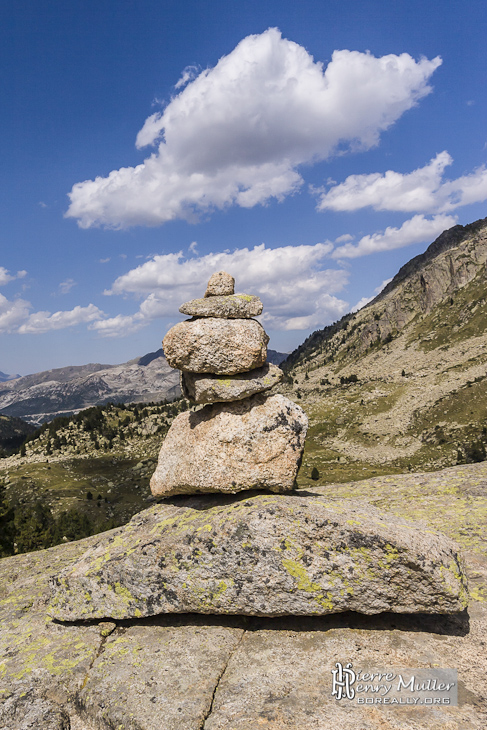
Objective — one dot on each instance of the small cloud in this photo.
(417, 229)
(105, 261)
(12, 313)
(345, 238)
(42, 204)
(40, 322)
(189, 73)
(470, 102)
(66, 286)
(6, 276)
(423, 191)
(193, 248)
(119, 326)
(123, 255)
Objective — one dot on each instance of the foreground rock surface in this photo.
(256, 443)
(235, 306)
(265, 555)
(213, 345)
(270, 673)
(204, 388)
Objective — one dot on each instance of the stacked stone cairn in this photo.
(263, 553)
(243, 438)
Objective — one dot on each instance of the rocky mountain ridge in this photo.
(40, 397)
(4, 377)
(403, 381)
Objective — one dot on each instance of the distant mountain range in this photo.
(4, 377)
(42, 396)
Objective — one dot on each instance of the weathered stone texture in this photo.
(164, 676)
(213, 345)
(265, 555)
(204, 388)
(256, 443)
(220, 284)
(279, 676)
(236, 306)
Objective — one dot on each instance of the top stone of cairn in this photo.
(220, 284)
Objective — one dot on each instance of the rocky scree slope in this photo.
(401, 384)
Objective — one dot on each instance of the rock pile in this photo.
(259, 554)
(243, 438)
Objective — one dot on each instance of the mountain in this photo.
(43, 396)
(402, 383)
(4, 377)
(276, 358)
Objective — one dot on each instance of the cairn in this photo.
(242, 438)
(295, 554)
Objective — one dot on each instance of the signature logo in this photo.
(342, 680)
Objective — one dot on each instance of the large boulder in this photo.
(208, 388)
(264, 555)
(237, 306)
(256, 443)
(214, 345)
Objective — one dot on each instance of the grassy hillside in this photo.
(81, 475)
(401, 385)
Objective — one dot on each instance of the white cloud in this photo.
(119, 326)
(189, 73)
(40, 322)
(346, 238)
(5, 276)
(66, 286)
(236, 134)
(414, 230)
(12, 313)
(296, 291)
(422, 190)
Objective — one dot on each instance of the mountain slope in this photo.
(402, 383)
(43, 396)
(12, 432)
(4, 377)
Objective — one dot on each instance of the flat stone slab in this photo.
(236, 306)
(215, 345)
(264, 555)
(208, 388)
(164, 676)
(255, 443)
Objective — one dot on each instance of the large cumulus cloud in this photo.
(237, 133)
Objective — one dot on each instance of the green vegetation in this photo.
(47, 492)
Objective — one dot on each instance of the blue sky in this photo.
(310, 149)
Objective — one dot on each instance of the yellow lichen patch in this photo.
(123, 592)
(298, 572)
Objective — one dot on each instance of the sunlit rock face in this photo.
(262, 555)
